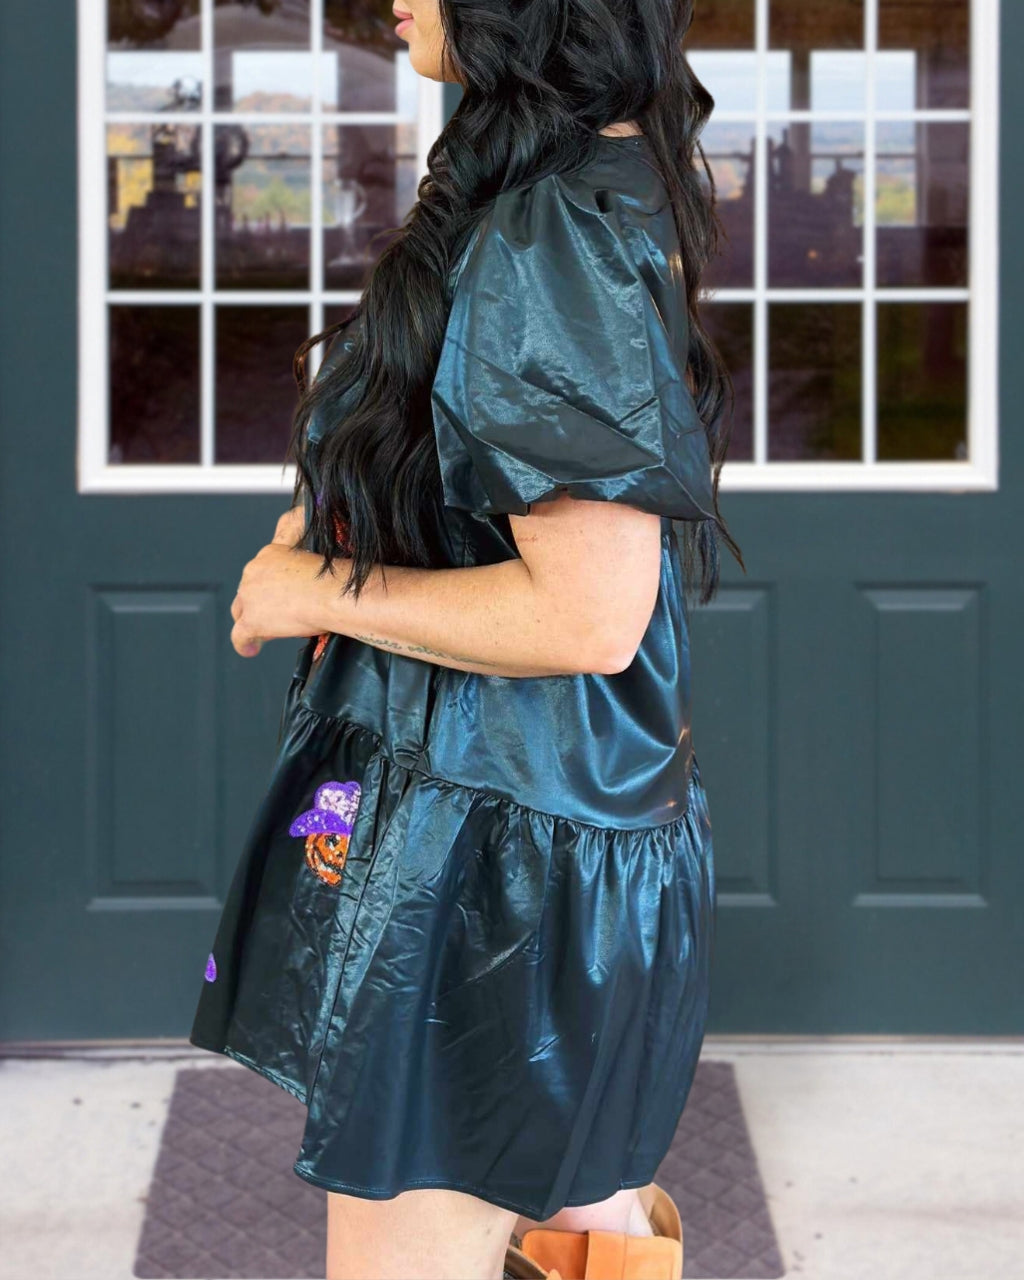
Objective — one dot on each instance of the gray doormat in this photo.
(224, 1201)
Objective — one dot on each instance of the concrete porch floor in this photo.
(883, 1158)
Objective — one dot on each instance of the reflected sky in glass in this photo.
(729, 76)
(837, 80)
(895, 80)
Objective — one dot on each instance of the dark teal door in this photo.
(857, 694)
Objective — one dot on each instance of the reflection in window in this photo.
(814, 382)
(262, 59)
(922, 203)
(154, 384)
(153, 181)
(361, 71)
(801, 27)
(369, 184)
(723, 26)
(922, 381)
(730, 78)
(730, 325)
(153, 58)
(816, 204)
(255, 389)
(263, 206)
(729, 149)
(255, 169)
(274, 222)
(928, 65)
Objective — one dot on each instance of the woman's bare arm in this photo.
(579, 600)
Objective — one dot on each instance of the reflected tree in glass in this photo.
(263, 206)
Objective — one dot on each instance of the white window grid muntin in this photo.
(978, 473)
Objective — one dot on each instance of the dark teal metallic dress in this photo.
(472, 923)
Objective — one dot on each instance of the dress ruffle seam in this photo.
(345, 721)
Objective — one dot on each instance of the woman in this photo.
(472, 926)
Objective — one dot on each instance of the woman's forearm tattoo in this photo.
(422, 650)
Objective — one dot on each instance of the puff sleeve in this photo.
(557, 370)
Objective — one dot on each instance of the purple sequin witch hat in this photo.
(334, 808)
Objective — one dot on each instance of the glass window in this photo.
(841, 147)
(257, 157)
(244, 162)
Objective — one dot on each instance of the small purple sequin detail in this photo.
(211, 969)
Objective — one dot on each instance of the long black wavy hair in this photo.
(540, 78)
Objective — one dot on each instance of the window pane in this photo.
(366, 66)
(813, 68)
(153, 58)
(154, 384)
(730, 78)
(262, 60)
(729, 149)
(726, 24)
(816, 204)
(263, 206)
(922, 203)
(928, 65)
(369, 185)
(922, 381)
(153, 181)
(255, 389)
(797, 25)
(715, 47)
(730, 326)
(814, 381)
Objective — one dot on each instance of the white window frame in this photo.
(95, 473)
(980, 472)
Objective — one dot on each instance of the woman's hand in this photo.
(280, 596)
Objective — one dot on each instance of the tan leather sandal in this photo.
(605, 1255)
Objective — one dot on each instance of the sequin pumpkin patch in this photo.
(327, 828)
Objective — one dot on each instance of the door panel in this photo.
(889, 759)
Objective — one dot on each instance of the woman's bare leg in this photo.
(419, 1235)
(620, 1212)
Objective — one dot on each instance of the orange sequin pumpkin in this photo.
(325, 854)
